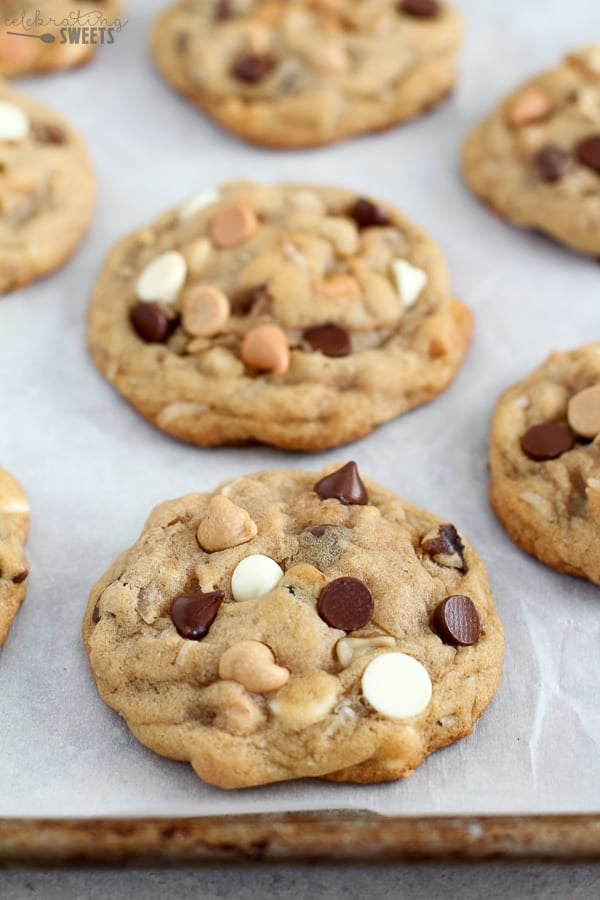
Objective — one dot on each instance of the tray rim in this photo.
(315, 837)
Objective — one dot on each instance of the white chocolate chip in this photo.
(410, 281)
(350, 649)
(162, 279)
(397, 686)
(14, 122)
(254, 577)
(342, 233)
(196, 204)
(197, 255)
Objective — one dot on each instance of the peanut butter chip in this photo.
(265, 349)
(530, 105)
(205, 311)
(233, 225)
(226, 525)
(584, 412)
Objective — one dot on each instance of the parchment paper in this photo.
(93, 469)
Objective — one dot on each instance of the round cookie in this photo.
(302, 73)
(14, 526)
(545, 462)
(294, 624)
(536, 159)
(47, 190)
(300, 317)
(30, 55)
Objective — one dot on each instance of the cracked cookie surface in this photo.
(338, 632)
(536, 159)
(301, 74)
(47, 190)
(30, 56)
(14, 571)
(295, 316)
(545, 462)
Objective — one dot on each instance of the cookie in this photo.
(536, 159)
(302, 73)
(34, 40)
(14, 570)
(295, 624)
(545, 462)
(47, 190)
(295, 316)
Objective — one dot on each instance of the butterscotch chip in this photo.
(14, 569)
(545, 468)
(282, 337)
(301, 74)
(305, 651)
(536, 159)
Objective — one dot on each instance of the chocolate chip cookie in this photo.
(37, 38)
(294, 624)
(46, 190)
(301, 73)
(14, 526)
(545, 462)
(300, 317)
(536, 159)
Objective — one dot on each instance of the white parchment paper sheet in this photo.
(93, 469)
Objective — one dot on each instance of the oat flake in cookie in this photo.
(14, 569)
(343, 634)
(545, 462)
(301, 73)
(31, 55)
(536, 159)
(296, 316)
(46, 190)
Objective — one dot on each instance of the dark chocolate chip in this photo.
(318, 530)
(446, 548)
(553, 163)
(588, 152)
(254, 301)
(421, 9)
(193, 614)
(96, 611)
(49, 134)
(547, 441)
(344, 485)
(21, 577)
(330, 340)
(346, 603)
(253, 68)
(151, 322)
(367, 215)
(224, 10)
(457, 621)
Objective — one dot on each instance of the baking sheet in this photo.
(93, 469)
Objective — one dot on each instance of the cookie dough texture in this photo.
(47, 192)
(14, 526)
(318, 71)
(318, 724)
(27, 56)
(523, 159)
(550, 508)
(305, 264)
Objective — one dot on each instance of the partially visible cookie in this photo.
(301, 73)
(536, 159)
(545, 462)
(296, 624)
(35, 38)
(47, 190)
(296, 316)
(14, 526)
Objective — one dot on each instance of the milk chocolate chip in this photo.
(445, 547)
(330, 340)
(193, 614)
(421, 9)
(588, 152)
(547, 441)
(553, 163)
(344, 485)
(346, 603)
(151, 322)
(253, 68)
(367, 215)
(457, 622)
